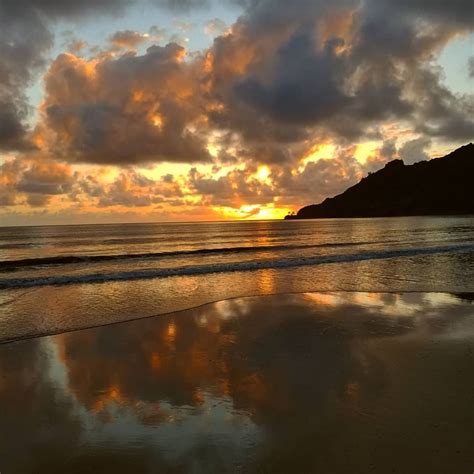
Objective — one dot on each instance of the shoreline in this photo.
(210, 303)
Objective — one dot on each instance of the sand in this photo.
(316, 382)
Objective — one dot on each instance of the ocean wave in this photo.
(156, 238)
(13, 265)
(228, 267)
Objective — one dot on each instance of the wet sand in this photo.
(308, 383)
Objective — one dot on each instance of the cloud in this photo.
(157, 34)
(65, 8)
(128, 39)
(127, 109)
(131, 189)
(470, 65)
(281, 72)
(183, 26)
(414, 150)
(25, 39)
(34, 180)
(316, 180)
(8, 177)
(13, 112)
(324, 178)
(345, 68)
(234, 189)
(439, 112)
(215, 27)
(284, 77)
(75, 46)
(182, 5)
(305, 86)
(457, 12)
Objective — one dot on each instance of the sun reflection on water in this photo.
(255, 382)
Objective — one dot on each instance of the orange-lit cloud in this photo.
(124, 110)
(290, 104)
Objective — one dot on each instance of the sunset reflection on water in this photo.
(300, 383)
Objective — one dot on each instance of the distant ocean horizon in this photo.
(58, 278)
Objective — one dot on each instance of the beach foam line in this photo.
(12, 265)
(229, 267)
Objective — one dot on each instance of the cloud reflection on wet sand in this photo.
(328, 382)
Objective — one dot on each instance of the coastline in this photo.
(461, 294)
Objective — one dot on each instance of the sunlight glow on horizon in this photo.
(180, 111)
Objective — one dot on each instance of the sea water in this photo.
(59, 278)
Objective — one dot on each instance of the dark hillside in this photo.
(442, 186)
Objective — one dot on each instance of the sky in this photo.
(181, 110)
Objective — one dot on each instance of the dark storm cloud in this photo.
(341, 67)
(439, 112)
(263, 16)
(282, 73)
(25, 39)
(305, 87)
(63, 8)
(12, 132)
(459, 12)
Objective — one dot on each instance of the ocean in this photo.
(285, 347)
(59, 278)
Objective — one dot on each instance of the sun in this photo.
(252, 212)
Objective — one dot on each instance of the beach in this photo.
(316, 382)
(236, 237)
(327, 346)
(60, 278)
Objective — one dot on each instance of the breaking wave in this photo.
(229, 267)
